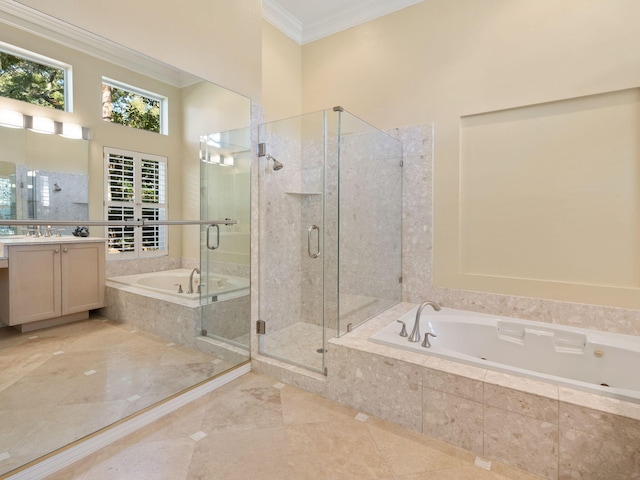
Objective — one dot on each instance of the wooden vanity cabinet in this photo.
(51, 280)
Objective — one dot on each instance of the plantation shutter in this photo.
(136, 189)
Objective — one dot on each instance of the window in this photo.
(33, 78)
(135, 190)
(133, 107)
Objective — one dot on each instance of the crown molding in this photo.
(348, 17)
(45, 26)
(280, 18)
(351, 17)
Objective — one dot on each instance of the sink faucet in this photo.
(415, 333)
(195, 270)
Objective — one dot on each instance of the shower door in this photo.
(330, 231)
(225, 160)
(292, 246)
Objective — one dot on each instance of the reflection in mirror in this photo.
(7, 196)
(59, 384)
(49, 177)
(224, 262)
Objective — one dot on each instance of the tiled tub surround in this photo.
(175, 284)
(597, 362)
(553, 431)
(182, 323)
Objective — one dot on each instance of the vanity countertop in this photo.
(22, 240)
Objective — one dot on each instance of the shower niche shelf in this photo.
(303, 193)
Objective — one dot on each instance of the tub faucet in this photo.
(415, 333)
(195, 270)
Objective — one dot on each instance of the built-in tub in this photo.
(168, 283)
(594, 361)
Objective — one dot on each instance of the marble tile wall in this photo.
(370, 220)
(182, 324)
(116, 268)
(52, 196)
(280, 232)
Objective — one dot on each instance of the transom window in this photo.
(131, 106)
(136, 189)
(34, 78)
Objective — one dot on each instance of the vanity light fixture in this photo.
(39, 124)
(227, 160)
(71, 130)
(11, 118)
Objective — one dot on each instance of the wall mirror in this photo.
(58, 385)
(42, 177)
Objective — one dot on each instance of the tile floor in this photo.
(62, 383)
(256, 428)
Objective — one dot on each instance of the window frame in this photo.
(49, 62)
(164, 102)
(137, 205)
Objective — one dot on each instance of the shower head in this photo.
(276, 164)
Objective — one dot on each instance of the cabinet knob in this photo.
(65, 250)
(57, 250)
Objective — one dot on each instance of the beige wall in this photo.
(281, 74)
(441, 60)
(218, 40)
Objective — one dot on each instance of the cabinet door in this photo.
(82, 277)
(34, 283)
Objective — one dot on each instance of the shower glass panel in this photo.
(223, 279)
(330, 231)
(369, 213)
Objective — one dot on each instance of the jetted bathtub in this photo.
(599, 362)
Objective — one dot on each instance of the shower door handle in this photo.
(315, 254)
(209, 246)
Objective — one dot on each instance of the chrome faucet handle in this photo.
(427, 343)
(179, 285)
(403, 332)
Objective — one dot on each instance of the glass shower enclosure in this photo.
(225, 161)
(330, 231)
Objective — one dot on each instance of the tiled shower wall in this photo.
(292, 201)
(279, 227)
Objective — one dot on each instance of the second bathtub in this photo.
(174, 285)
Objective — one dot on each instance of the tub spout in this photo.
(195, 270)
(415, 333)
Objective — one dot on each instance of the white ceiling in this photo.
(309, 20)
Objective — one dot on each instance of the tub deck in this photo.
(597, 362)
(551, 430)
